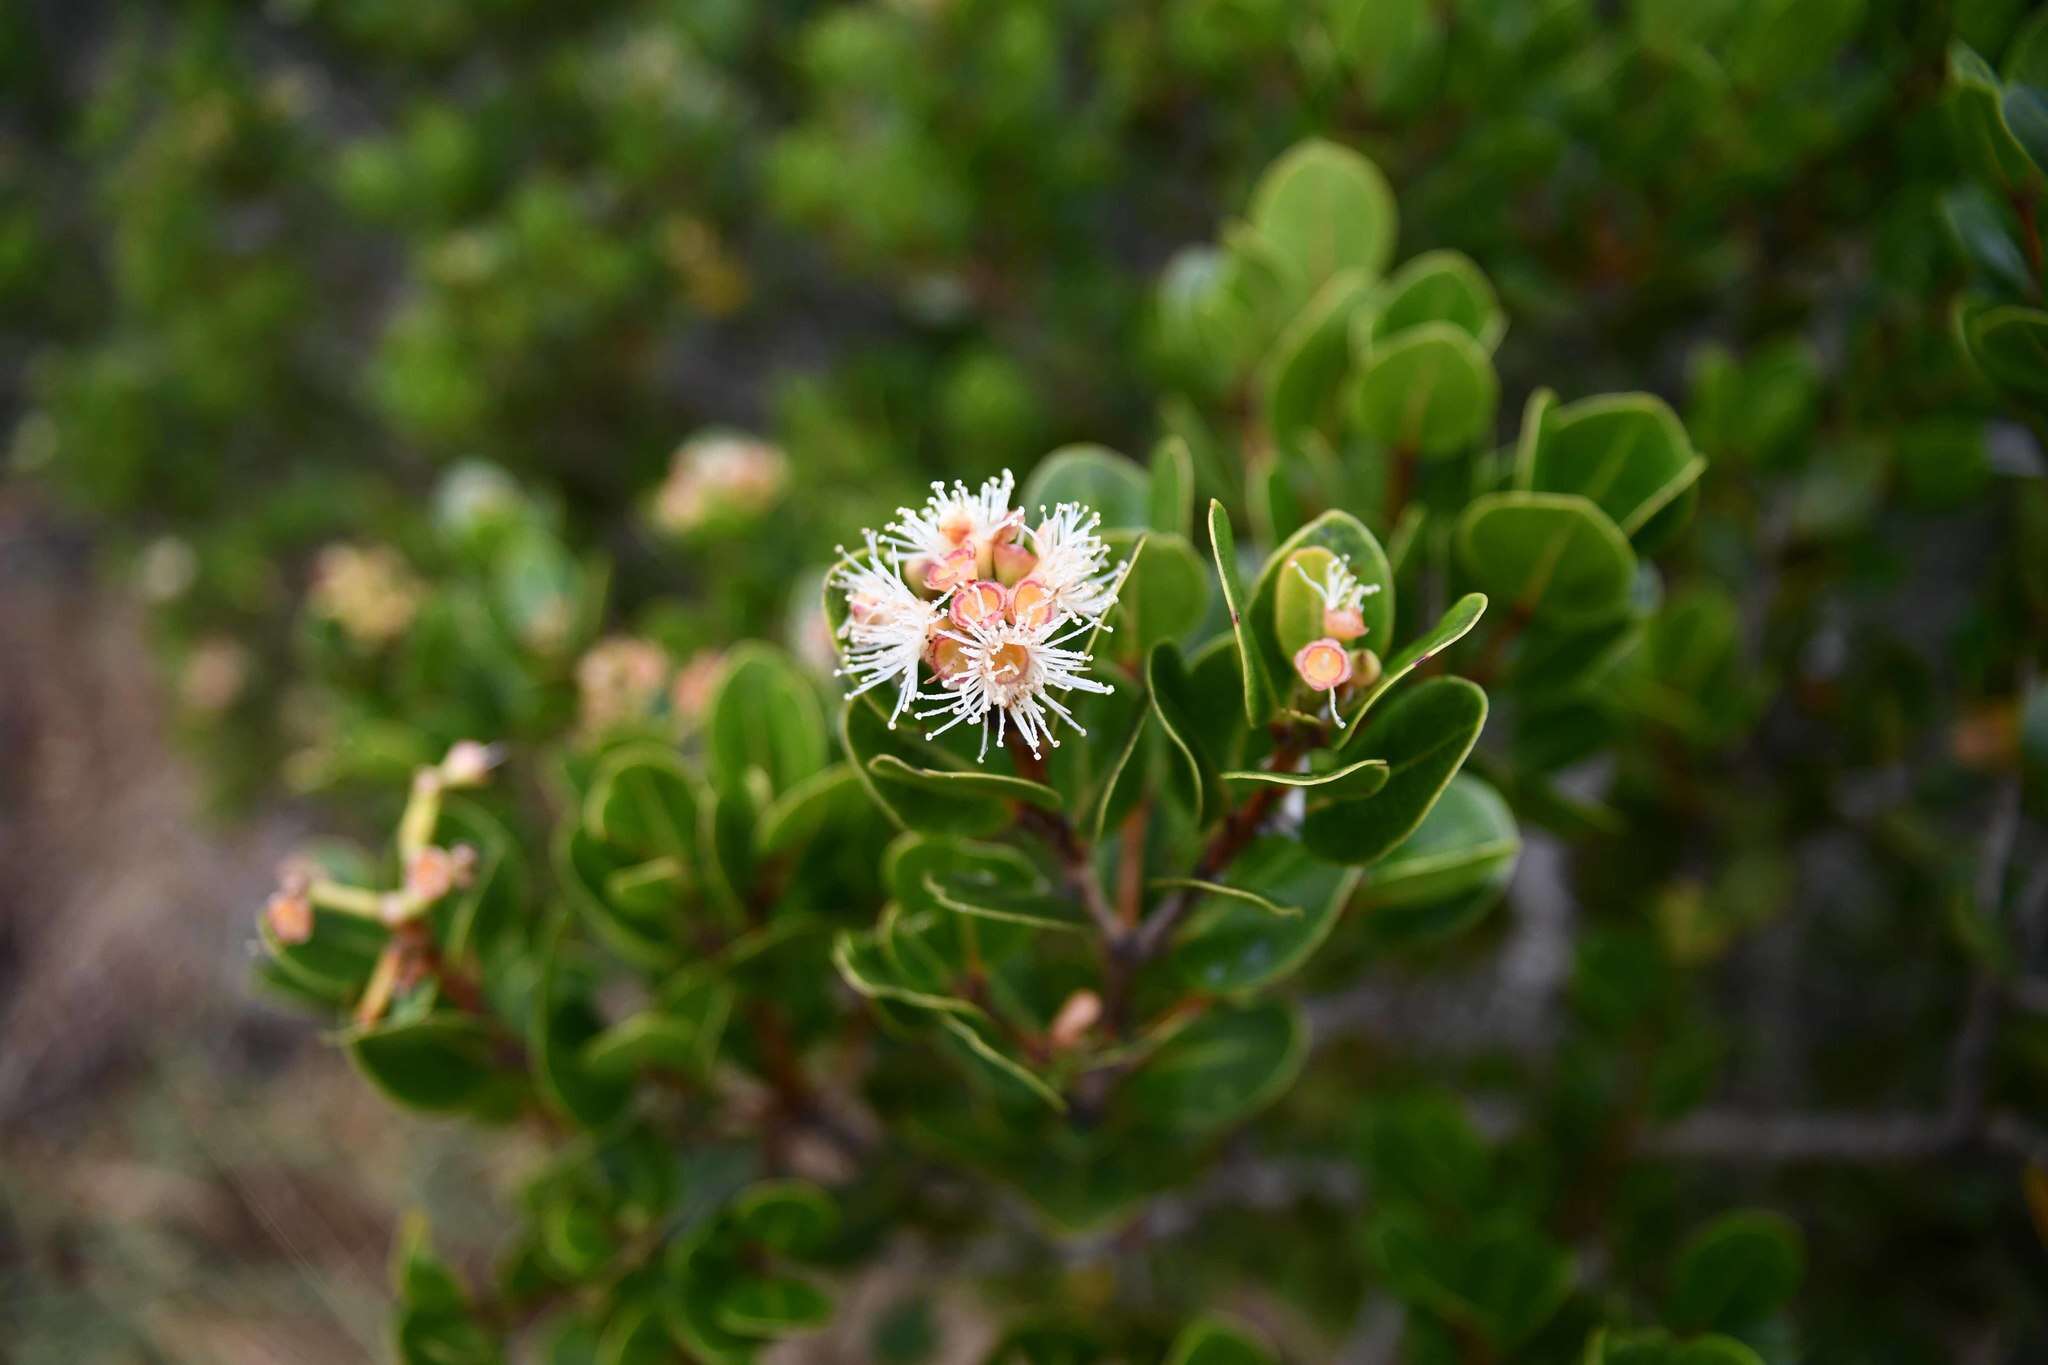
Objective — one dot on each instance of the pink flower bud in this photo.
(469, 762)
(1079, 1014)
(290, 916)
(1324, 665)
(433, 872)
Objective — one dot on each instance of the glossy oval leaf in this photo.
(1551, 556)
(1627, 453)
(1430, 389)
(1259, 698)
(1237, 942)
(1096, 477)
(1220, 1069)
(764, 717)
(1438, 286)
(1424, 736)
(1322, 208)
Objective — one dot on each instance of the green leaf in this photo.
(590, 871)
(864, 963)
(1736, 1271)
(1454, 625)
(977, 1042)
(1983, 139)
(796, 816)
(1429, 388)
(1220, 1069)
(1259, 700)
(793, 1217)
(1283, 905)
(1438, 286)
(1096, 477)
(867, 736)
(2009, 344)
(1344, 536)
(1350, 781)
(643, 800)
(440, 1064)
(634, 1336)
(564, 1024)
(1306, 370)
(1215, 1340)
(1173, 488)
(680, 1035)
(952, 785)
(1322, 208)
(765, 716)
(1552, 556)
(1195, 782)
(775, 1306)
(1504, 1281)
(2026, 117)
(1985, 234)
(1627, 453)
(1450, 870)
(1163, 597)
(1424, 737)
(985, 897)
(334, 964)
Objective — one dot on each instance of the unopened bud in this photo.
(1365, 668)
(1031, 603)
(393, 908)
(1323, 664)
(1010, 562)
(469, 762)
(1081, 1012)
(289, 914)
(433, 872)
(980, 603)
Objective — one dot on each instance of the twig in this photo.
(1054, 828)
(1238, 830)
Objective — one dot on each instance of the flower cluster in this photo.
(1329, 664)
(988, 602)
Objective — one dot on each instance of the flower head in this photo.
(985, 605)
(887, 629)
(1343, 598)
(1007, 673)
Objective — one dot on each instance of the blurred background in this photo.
(366, 365)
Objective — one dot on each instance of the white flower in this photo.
(952, 539)
(1070, 577)
(1343, 597)
(887, 628)
(1009, 671)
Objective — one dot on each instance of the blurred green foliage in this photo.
(406, 355)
